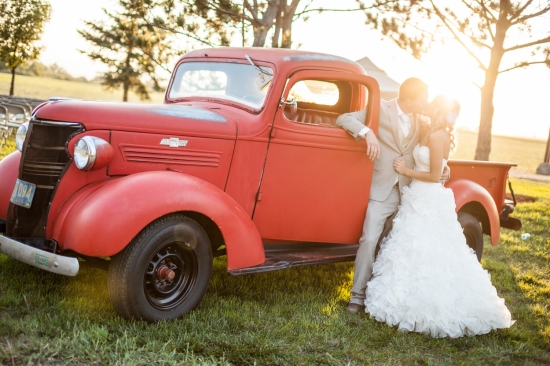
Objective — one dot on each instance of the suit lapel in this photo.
(415, 132)
(394, 121)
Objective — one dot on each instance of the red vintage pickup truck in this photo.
(242, 159)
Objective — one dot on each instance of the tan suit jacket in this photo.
(392, 145)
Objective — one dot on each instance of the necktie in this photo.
(405, 123)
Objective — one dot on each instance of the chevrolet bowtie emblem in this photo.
(174, 142)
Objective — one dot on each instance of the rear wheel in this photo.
(164, 272)
(472, 232)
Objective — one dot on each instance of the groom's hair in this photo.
(411, 88)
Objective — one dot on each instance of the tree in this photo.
(486, 29)
(129, 46)
(215, 22)
(21, 25)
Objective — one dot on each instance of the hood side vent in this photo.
(155, 155)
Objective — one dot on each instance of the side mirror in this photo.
(291, 107)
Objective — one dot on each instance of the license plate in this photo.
(23, 193)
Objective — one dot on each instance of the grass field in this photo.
(44, 88)
(527, 153)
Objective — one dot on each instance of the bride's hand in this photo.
(399, 165)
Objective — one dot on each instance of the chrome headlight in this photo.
(85, 153)
(21, 135)
(92, 153)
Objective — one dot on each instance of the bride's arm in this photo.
(436, 145)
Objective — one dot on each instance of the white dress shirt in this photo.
(404, 121)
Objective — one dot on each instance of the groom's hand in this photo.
(373, 148)
(445, 176)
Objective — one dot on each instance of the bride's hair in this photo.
(443, 114)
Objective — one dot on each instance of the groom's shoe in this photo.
(353, 308)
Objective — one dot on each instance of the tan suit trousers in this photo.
(377, 213)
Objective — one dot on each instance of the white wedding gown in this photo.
(426, 279)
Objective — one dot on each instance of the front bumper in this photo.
(39, 258)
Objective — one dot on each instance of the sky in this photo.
(521, 96)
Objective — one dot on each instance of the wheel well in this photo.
(477, 210)
(214, 234)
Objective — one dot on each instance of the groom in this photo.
(398, 134)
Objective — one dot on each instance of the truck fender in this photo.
(466, 191)
(9, 169)
(103, 217)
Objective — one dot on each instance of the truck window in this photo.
(319, 102)
(241, 83)
(315, 92)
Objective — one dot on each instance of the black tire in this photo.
(163, 273)
(472, 232)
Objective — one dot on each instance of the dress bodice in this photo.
(421, 156)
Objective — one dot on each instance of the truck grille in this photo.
(44, 161)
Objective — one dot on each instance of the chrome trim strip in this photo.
(55, 123)
(47, 261)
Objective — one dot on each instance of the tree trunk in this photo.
(287, 33)
(287, 19)
(261, 27)
(277, 31)
(128, 67)
(12, 85)
(260, 34)
(125, 92)
(483, 148)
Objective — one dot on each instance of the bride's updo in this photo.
(443, 112)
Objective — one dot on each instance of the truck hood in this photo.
(140, 117)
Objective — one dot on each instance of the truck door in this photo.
(316, 180)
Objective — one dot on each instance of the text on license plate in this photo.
(23, 193)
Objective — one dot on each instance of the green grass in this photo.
(527, 153)
(294, 317)
(7, 148)
(44, 88)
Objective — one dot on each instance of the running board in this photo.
(282, 256)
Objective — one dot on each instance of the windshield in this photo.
(241, 83)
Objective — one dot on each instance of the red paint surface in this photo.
(74, 179)
(467, 191)
(316, 181)
(102, 218)
(135, 117)
(104, 155)
(9, 169)
(205, 158)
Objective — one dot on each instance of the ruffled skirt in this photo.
(426, 279)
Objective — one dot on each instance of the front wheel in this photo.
(164, 272)
(472, 232)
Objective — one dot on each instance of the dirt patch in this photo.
(521, 198)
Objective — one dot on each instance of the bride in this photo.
(426, 279)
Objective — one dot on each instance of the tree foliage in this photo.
(487, 30)
(21, 25)
(217, 22)
(129, 46)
